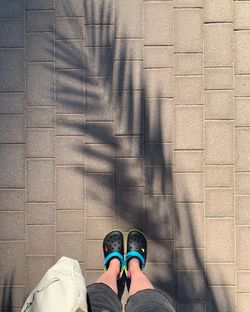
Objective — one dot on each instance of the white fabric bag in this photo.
(62, 289)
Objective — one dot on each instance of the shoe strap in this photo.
(114, 254)
(135, 254)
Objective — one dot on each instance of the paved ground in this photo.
(123, 114)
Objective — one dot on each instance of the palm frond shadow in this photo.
(88, 75)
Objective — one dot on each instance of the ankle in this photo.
(134, 266)
(114, 266)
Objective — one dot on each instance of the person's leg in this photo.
(139, 280)
(110, 276)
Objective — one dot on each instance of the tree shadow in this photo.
(140, 160)
(7, 294)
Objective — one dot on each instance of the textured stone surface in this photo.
(12, 129)
(221, 274)
(188, 90)
(14, 232)
(40, 117)
(70, 150)
(40, 143)
(158, 57)
(11, 9)
(218, 79)
(188, 161)
(36, 245)
(12, 200)
(99, 11)
(12, 70)
(40, 47)
(242, 210)
(188, 30)
(39, 4)
(219, 176)
(188, 64)
(38, 214)
(242, 60)
(219, 11)
(242, 10)
(219, 104)
(159, 82)
(242, 112)
(219, 202)
(39, 21)
(158, 23)
(12, 33)
(11, 103)
(69, 8)
(242, 249)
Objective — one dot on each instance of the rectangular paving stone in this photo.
(242, 84)
(218, 79)
(98, 11)
(183, 289)
(188, 3)
(40, 180)
(242, 59)
(93, 255)
(40, 84)
(38, 214)
(188, 161)
(242, 140)
(69, 91)
(99, 61)
(243, 302)
(99, 157)
(243, 281)
(99, 194)
(69, 28)
(129, 208)
(12, 33)
(97, 228)
(12, 166)
(159, 82)
(13, 259)
(129, 18)
(11, 9)
(40, 117)
(158, 180)
(189, 225)
(242, 112)
(215, 297)
(159, 115)
(221, 274)
(125, 122)
(222, 11)
(12, 225)
(188, 30)
(40, 47)
(188, 64)
(17, 294)
(70, 245)
(12, 129)
(12, 103)
(39, 21)
(128, 172)
(159, 217)
(192, 183)
(12, 200)
(158, 23)
(69, 53)
(218, 45)
(70, 221)
(216, 231)
(99, 36)
(219, 142)
(219, 176)
(242, 247)
(241, 11)
(190, 258)
(158, 154)
(242, 210)
(128, 49)
(129, 146)
(37, 266)
(70, 150)
(133, 80)
(188, 127)
(91, 276)
(99, 133)
(242, 186)
(70, 187)
(12, 70)
(40, 143)
(70, 125)
(165, 250)
(98, 99)
(154, 272)
(219, 202)
(39, 4)
(69, 8)
(188, 90)
(219, 104)
(156, 57)
(35, 245)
